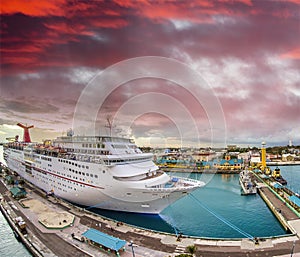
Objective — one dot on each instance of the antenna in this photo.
(26, 135)
(109, 124)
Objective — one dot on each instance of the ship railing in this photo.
(181, 183)
(16, 146)
(185, 182)
(171, 189)
(105, 160)
(83, 158)
(193, 181)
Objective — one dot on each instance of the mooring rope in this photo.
(96, 205)
(218, 216)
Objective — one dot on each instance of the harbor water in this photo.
(292, 176)
(10, 246)
(217, 210)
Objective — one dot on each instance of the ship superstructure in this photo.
(98, 171)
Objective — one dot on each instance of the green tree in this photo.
(191, 249)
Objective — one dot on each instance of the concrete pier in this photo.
(284, 214)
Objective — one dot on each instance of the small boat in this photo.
(277, 176)
(248, 187)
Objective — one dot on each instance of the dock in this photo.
(279, 208)
(201, 171)
(60, 242)
(287, 215)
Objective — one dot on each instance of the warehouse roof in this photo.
(295, 200)
(18, 191)
(108, 241)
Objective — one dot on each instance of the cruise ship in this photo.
(103, 172)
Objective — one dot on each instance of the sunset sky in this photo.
(200, 73)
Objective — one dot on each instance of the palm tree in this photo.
(191, 249)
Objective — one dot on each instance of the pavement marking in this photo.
(180, 249)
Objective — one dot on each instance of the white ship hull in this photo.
(97, 185)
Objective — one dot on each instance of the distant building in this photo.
(273, 157)
(227, 157)
(203, 155)
(255, 157)
(244, 156)
(231, 147)
(233, 164)
(288, 157)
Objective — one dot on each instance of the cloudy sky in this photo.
(165, 72)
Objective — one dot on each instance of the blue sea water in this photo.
(217, 210)
(292, 175)
(9, 245)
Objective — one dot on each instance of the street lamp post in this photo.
(132, 245)
(293, 247)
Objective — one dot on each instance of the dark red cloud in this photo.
(43, 42)
(33, 8)
(116, 30)
(30, 31)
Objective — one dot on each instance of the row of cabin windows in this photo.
(84, 174)
(119, 146)
(46, 159)
(93, 145)
(46, 179)
(104, 152)
(85, 151)
(43, 179)
(73, 163)
(129, 160)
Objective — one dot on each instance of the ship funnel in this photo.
(26, 135)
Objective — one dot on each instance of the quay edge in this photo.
(29, 246)
(288, 217)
